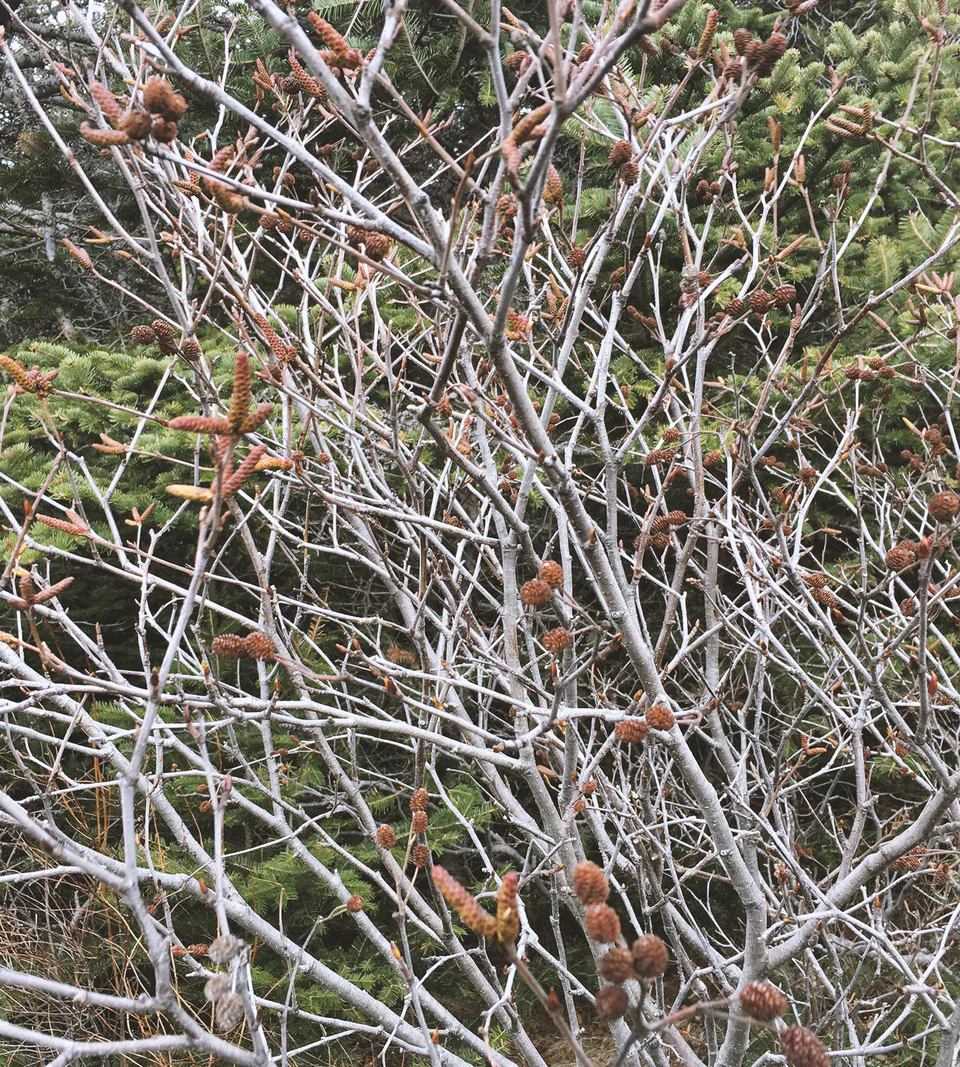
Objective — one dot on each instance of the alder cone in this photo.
(224, 948)
(552, 573)
(535, 592)
(378, 245)
(908, 606)
(616, 965)
(421, 856)
(229, 646)
(217, 987)
(762, 1000)
(735, 308)
(143, 335)
(760, 301)
(650, 956)
(660, 717)
(576, 257)
(418, 802)
(601, 923)
(419, 822)
(229, 1011)
(825, 598)
(900, 556)
(590, 883)
(136, 125)
(386, 837)
(631, 731)
(802, 1048)
(676, 518)
(557, 640)
(355, 903)
(166, 337)
(160, 99)
(629, 173)
(611, 1002)
(784, 294)
(620, 153)
(259, 646)
(741, 38)
(944, 506)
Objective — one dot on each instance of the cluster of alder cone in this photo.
(645, 960)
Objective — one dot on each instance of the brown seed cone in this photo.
(378, 245)
(223, 948)
(28, 591)
(164, 131)
(900, 556)
(671, 435)
(660, 717)
(555, 641)
(590, 883)
(535, 593)
(601, 923)
(160, 99)
(616, 965)
(552, 573)
(631, 731)
(629, 173)
(771, 52)
(611, 1002)
(355, 903)
(464, 904)
(762, 1000)
(908, 606)
(735, 308)
(421, 856)
(135, 124)
(815, 580)
(508, 915)
(802, 1048)
(259, 646)
(229, 646)
(199, 424)
(711, 459)
(143, 335)
(386, 837)
(944, 506)
(191, 350)
(760, 301)
(741, 38)
(825, 597)
(166, 337)
(784, 295)
(659, 456)
(585, 53)
(576, 257)
(677, 518)
(419, 822)
(229, 1011)
(289, 85)
(418, 802)
(650, 956)
(553, 188)
(216, 986)
(620, 153)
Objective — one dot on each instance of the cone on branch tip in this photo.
(611, 1002)
(590, 884)
(944, 506)
(660, 717)
(535, 593)
(802, 1048)
(602, 923)
(552, 573)
(617, 965)
(555, 641)
(762, 1000)
(631, 731)
(650, 956)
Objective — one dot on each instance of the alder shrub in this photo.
(499, 606)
